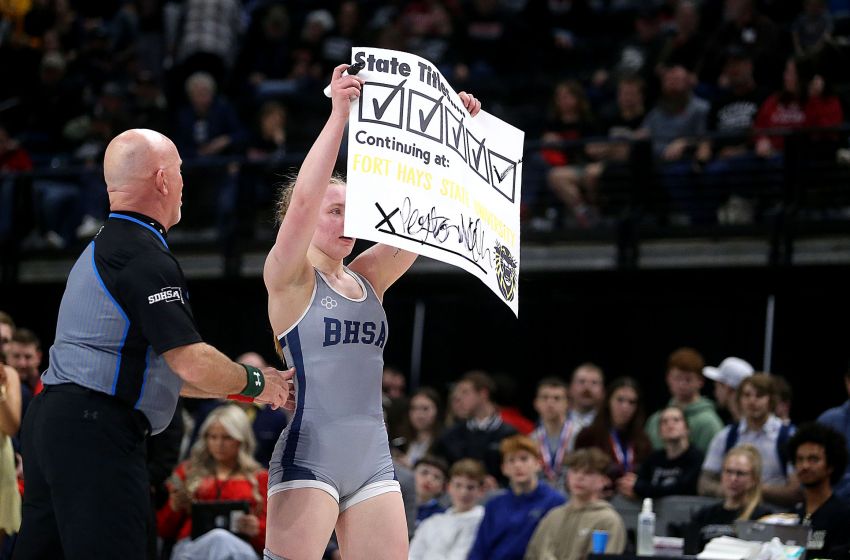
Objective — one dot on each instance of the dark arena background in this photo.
(626, 321)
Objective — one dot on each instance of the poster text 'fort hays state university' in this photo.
(426, 177)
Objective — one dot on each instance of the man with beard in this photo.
(586, 394)
(820, 456)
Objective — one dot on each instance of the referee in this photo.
(126, 346)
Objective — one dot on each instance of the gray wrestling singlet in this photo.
(337, 440)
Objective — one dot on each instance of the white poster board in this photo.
(426, 177)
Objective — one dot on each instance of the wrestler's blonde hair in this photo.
(284, 193)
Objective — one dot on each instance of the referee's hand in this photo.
(279, 391)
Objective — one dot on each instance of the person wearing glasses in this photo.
(740, 489)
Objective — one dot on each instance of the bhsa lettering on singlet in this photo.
(354, 332)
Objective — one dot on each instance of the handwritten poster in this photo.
(426, 177)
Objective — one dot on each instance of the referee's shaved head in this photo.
(133, 157)
(141, 170)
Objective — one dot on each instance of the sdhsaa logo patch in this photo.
(166, 294)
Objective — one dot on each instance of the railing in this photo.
(802, 190)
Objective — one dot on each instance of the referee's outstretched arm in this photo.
(207, 373)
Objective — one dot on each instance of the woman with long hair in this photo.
(221, 467)
(618, 429)
(332, 469)
(740, 482)
(422, 426)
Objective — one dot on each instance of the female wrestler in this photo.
(331, 468)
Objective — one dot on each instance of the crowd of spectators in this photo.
(480, 480)
(237, 85)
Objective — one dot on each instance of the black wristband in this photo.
(255, 383)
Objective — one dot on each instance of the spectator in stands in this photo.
(394, 389)
(748, 30)
(685, 380)
(511, 517)
(422, 426)
(566, 532)
(678, 119)
(55, 101)
(266, 151)
(731, 164)
(430, 29)
(393, 384)
(265, 55)
(802, 102)
(208, 128)
(685, 46)
(618, 432)
(221, 467)
(638, 54)
(784, 395)
(13, 159)
(756, 398)
(7, 329)
(308, 51)
(430, 473)
(449, 535)
(209, 38)
(586, 395)
(10, 423)
(478, 436)
(24, 354)
(554, 432)
(740, 489)
(612, 174)
(562, 31)
(504, 398)
(148, 105)
(727, 376)
(485, 39)
(838, 419)
(675, 125)
(812, 29)
(671, 471)
(572, 120)
(820, 459)
(337, 45)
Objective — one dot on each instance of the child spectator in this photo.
(449, 535)
(566, 531)
(430, 474)
(511, 517)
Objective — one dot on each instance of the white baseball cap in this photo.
(731, 371)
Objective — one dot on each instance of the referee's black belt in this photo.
(74, 389)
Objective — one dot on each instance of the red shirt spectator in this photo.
(177, 525)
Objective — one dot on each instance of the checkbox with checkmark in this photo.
(504, 175)
(424, 116)
(478, 156)
(382, 104)
(455, 137)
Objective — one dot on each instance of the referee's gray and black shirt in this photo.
(125, 304)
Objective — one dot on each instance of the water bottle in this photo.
(646, 529)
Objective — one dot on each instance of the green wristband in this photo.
(255, 383)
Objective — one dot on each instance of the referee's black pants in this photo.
(86, 484)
